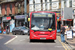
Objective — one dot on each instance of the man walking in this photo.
(62, 33)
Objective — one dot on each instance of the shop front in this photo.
(68, 22)
(0, 25)
(6, 22)
(19, 20)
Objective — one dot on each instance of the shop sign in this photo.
(69, 34)
(6, 18)
(20, 17)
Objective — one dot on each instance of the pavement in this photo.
(71, 42)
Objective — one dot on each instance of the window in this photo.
(5, 9)
(19, 8)
(0, 9)
(51, 3)
(70, 2)
(10, 8)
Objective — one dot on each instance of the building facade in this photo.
(13, 11)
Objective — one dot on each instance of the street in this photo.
(3, 39)
(22, 43)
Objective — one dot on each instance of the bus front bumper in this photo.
(43, 37)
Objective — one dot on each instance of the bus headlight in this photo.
(32, 33)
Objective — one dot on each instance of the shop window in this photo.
(10, 8)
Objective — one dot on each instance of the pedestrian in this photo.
(0, 29)
(62, 33)
(7, 29)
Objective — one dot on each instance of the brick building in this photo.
(12, 10)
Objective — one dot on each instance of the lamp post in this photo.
(25, 10)
(74, 20)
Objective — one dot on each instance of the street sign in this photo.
(69, 35)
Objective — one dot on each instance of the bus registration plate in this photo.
(43, 38)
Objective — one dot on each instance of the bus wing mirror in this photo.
(28, 19)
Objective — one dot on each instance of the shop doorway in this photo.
(20, 22)
(5, 24)
(68, 23)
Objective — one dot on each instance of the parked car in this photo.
(20, 30)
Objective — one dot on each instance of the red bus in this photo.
(43, 25)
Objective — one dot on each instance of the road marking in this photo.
(11, 40)
(64, 44)
(67, 46)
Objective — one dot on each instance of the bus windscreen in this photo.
(42, 21)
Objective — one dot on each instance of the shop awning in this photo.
(6, 18)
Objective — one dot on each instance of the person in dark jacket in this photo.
(62, 33)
